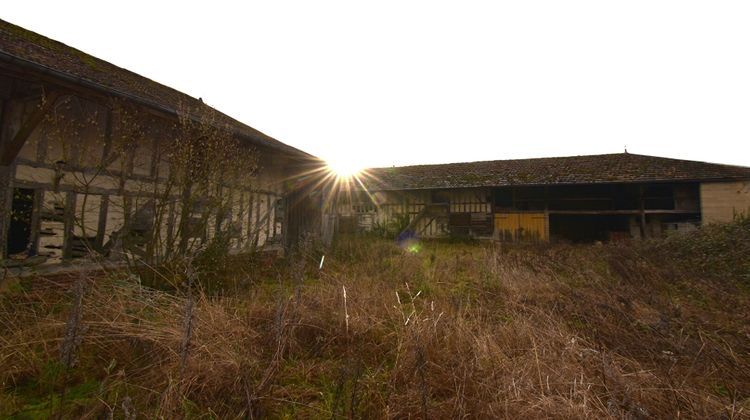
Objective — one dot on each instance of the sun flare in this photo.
(344, 168)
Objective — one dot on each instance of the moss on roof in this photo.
(64, 60)
(590, 169)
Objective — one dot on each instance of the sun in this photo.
(344, 168)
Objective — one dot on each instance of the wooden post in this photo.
(268, 217)
(642, 208)
(546, 213)
(6, 201)
(256, 226)
(276, 203)
(250, 226)
(36, 219)
(69, 225)
(102, 225)
(6, 197)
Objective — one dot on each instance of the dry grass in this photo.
(451, 331)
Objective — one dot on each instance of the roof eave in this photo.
(24, 63)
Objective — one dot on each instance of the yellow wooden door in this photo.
(532, 227)
(526, 227)
(506, 225)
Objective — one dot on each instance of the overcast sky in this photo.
(383, 83)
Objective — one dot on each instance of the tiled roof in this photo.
(592, 169)
(26, 48)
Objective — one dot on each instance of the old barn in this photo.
(97, 160)
(577, 198)
(94, 157)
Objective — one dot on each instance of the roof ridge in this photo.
(566, 170)
(499, 160)
(556, 158)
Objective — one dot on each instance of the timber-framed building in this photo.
(87, 152)
(578, 198)
(85, 156)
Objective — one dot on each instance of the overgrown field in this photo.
(439, 330)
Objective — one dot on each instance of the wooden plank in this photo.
(595, 212)
(505, 226)
(522, 226)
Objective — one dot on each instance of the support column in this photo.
(268, 217)
(642, 208)
(6, 173)
(69, 225)
(102, 224)
(36, 219)
(546, 214)
(6, 200)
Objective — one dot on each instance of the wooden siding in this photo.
(525, 227)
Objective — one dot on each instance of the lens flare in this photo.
(343, 168)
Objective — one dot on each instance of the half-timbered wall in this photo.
(428, 210)
(90, 181)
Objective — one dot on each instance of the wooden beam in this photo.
(595, 212)
(6, 174)
(102, 222)
(36, 219)
(546, 213)
(12, 147)
(642, 211)
(250, 227)
(6, 198)
(268, 217)
(617, 212)
(256, 226)
(69, 225)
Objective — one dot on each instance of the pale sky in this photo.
(384, 83)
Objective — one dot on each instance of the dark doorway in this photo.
(19, 231)
(588, 228)
(303, 216)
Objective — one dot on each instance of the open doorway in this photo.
(20, 228)
(589, 228)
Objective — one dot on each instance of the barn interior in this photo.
(596, 212)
